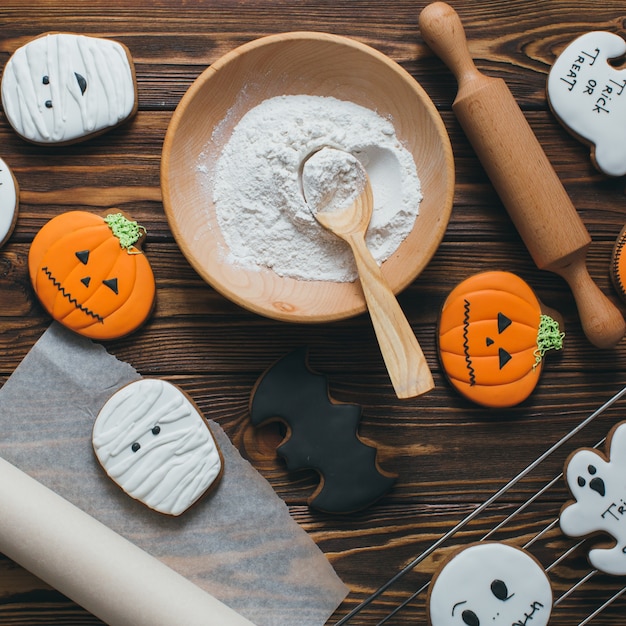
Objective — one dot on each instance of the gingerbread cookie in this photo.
(153, 442)
(492, 338)
(490, 583)
(61, 88)
(322, 436)
(588, 96)
(90, 274)
(598, 485)
(9, 201)
(618, 265)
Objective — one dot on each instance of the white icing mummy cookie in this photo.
(9, 201)
(588, 96)
(490, 584)
(598, 484)
(62, 88)
(152, 441)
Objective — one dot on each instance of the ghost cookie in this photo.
(597, 483)
(9, 201)
(490, 583)
(62, 88)
(153, 442)
(90, 274)
(588, 96)
(492, 336)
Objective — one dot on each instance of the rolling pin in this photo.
(521, 174)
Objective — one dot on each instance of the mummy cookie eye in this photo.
(156, 430)
(136, 446)
(48, 104)
(82, 83)
(470, 618)
(45, 80)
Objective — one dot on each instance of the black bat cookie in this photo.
(322, 435)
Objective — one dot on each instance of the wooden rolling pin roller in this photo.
(521, 174)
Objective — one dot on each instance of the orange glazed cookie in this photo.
(492, 338)
(90, 274)
(618, 265)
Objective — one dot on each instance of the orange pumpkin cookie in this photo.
(618, 266)
(90, 274)
(492, 338)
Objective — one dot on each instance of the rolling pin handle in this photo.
(441, 28)
(602, 322)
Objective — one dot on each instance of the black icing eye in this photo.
(111, 283)
(48, 104)
(83, 256)
(470, 618)
(135, 447)
(82, 83)
(499, 590)
(581, 481)
(45, 80)
(156, 430)
(503, 323)
(592, 470)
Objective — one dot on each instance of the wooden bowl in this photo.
(289, 64)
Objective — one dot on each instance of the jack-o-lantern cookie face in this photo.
(492, 336)
(89, 274)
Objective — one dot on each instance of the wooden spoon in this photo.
(403, 357)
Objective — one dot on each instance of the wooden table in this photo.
(450, 455)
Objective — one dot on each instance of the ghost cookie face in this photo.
(492, 337)
(90, 274)
(597, 483)
(154, 443)
(490, 584)
(9, 200)
(588, 96)
(62, 88)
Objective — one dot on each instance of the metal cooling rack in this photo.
(387, 587)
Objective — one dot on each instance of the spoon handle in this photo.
(402, 354)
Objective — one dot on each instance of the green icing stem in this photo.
(125, 230)
(549, 337)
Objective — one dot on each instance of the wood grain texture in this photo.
(449, 455)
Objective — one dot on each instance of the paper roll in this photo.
(95, 567)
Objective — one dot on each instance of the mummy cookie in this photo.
(9, 200)
(90, 274)
(492, 338)
(62, 88)
(491, 584)
(588, 96)
(153, 442)
(597, 483)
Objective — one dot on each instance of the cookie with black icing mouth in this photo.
(9, 202)
(90, 273)
(62, 88)
(596, 481)
(490, 583)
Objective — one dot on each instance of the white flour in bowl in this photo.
(258, 198)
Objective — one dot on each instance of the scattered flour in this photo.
(257, 192)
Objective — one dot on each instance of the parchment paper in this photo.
(239, 542)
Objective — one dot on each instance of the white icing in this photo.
(105, 99)
(588, 95)
(599, 488)
(490, 584)
(171, 469)
(8, 201)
